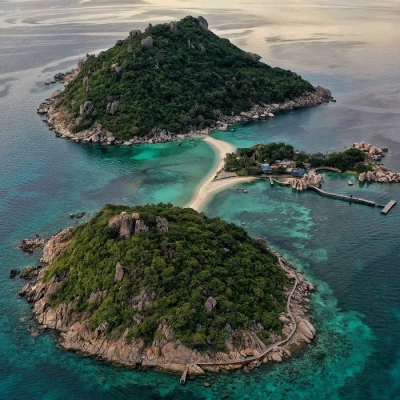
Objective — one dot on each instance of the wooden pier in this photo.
(184, 375)
(349, 199)
(388, 206)
(271, 181)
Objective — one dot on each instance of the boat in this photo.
(350, 183)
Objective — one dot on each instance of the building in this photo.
(266, 168)
(298, 172)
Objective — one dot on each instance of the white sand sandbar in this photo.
(210, 187)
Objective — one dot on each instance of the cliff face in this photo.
(242, 347)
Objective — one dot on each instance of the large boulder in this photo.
(148, 42)
(173, 27)
(203, 23)
(119, 272)
(124, 224)
(86, 108)
(254, 56)
(162, 224)
(112, 107)
(135, 33)
(210, 304)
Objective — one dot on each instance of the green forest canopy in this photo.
(246, 161)
(176, 84)
(198, 257)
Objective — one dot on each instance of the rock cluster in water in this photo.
(309, 179)
(379, 173)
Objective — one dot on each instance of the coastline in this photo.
(64, 124)
(210, 187)
(170, 354)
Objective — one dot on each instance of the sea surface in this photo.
(350, 251)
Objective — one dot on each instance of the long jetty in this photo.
(349, 199)
(388, 206)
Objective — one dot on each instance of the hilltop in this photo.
(159, 285)
(171, 79)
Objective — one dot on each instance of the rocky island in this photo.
(167, 287)
(170, 80)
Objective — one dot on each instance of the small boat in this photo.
(350, 183)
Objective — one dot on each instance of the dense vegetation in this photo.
(247, 161)
(198, 257)
(177, 84)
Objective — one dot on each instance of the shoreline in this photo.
(206, 191)
(63, 123)
(170, 354)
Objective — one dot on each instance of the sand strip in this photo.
(210, 187)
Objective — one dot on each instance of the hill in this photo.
(173, 77)
(157, 277)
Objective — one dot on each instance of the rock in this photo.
(249, 352)
(29, 245)
(124, 224)
(203, 23)
(202, 48)
(59, 76)
(135, 33)
(119, 273)
(305, 330)
(210, 304)
(55, 94)
(206, 384)
(29, 272)
(362, 177)
(149, 28)
(86, 108)
(148, 42)
(117, 69)
(13, 273)
(112, 107)
(162, 224)
(254, 56)
(285, 320)
(173, 27)
(276, 357)
(98, 297)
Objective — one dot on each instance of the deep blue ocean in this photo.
(350, 251)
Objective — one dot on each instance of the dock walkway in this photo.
(349, 199)
(388, 206)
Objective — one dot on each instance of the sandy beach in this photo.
(210, 187)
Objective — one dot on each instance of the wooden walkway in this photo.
(349, 199)
(327, 169)
(388, 206)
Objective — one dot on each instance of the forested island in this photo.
(282, 158)
(171, 79)
(162, 286)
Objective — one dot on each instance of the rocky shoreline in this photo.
(60, 121)
(379, 173)
(244, 348)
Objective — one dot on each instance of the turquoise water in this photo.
(350, 251)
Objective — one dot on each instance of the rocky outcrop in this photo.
(210, 304)
(162, 224)
(254, 56)
(173, 27)
(148, 42)
(112, 107)
(86, 108)
(119, 273)
(29, 245)
(203, 23)
(30, 272)
(135, 33)
(310, 179)
(127, 225)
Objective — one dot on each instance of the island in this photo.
(167, 287)
(170, 81)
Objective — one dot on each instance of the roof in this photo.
(299, 172)
(265, 167)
